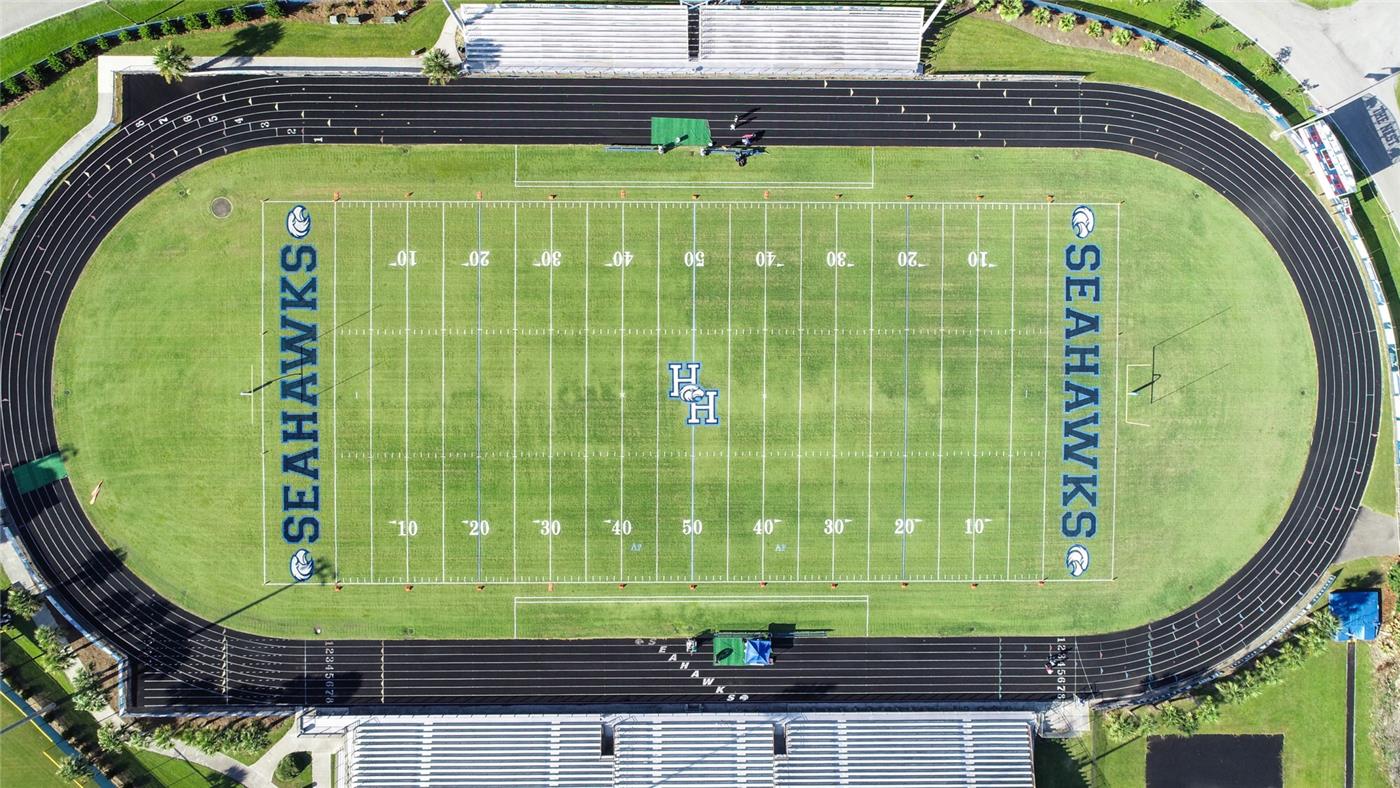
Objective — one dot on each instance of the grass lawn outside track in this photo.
(527, 465)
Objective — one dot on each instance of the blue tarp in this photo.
(758, 652)
(1359, 612)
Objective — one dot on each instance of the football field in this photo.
(484, 392)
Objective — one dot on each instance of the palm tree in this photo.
(172, 61)
(439, 68)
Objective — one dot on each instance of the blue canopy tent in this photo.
(1359, 612)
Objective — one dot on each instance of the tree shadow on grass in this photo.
(251, 41)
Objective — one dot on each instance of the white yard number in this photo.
(549, 258)
(832, 527)
(766, 259)
(621, 527)
(764, 527)
(975, 525)
(548, 527)
(692, 527)
(904, 526)
(978, 259)
(479, 258)
(620, 259)
(477, 527)
(406, 527)
(695, 259)
(406, 258)
(909, 259)
(836, 259)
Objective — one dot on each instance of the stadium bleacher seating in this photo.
(826, 39)
(563, 38)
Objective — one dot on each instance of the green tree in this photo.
(87, 690)
(56, 655)
(103, 43)
(1041, 16)
(33, 78)
(986, 6)
(124, 35)
(168, 28)
(21, 601)
(1094, 29)
(1184, 10)
(13, 89)
(111, 739)
(274, 9)
(172, 62)
(240, 13)
(55, 63)
(74, 769)
(1149, 46)
(145, 32)
(292, 765)
(1122, 36)
(438, 67)
(1066, 22)
(200, 21)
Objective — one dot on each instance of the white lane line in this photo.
(660, 383)
(870, 406)
(763, 422)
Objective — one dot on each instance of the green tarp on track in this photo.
(31, 476)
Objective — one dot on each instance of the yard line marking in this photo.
(657, 483)
(442, 396)
(371, 393)
(1117, 352)
(407, 309)
(976, 376)
(622, 400)
(514, 385)
(870, 406)
(1011, 396)
(479, 546)
(549, 387)
(763, 420)
(904, 491)
(728, 376)
(835, 355)
(1045, 459)
(262, 362)
(335, 435)
(942, 267)
(586, 263)
(694, 277)
(801, 253)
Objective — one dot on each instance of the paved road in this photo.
(18, 14)
(181, 660)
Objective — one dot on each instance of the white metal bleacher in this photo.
(826, 39)
(568, 38)
(849, 750)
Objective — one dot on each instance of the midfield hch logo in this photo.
(685, 386)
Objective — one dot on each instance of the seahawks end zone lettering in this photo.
(301, 450)
(1082, 417)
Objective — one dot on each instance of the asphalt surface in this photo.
(181, 661)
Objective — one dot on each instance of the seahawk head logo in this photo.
(298, 222)
(1077, 560)
(302, 566)
(1082, 221)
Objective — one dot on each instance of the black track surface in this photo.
(181, 660)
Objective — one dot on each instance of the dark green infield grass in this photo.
(492, 421)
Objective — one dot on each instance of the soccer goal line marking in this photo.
(520, 183)
(863, 600)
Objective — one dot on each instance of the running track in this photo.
(180, 660)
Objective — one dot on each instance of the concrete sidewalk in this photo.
(16, 15)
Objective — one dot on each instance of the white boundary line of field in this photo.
(702, 600)
(579, 203)
(515, 205)
(587, 184)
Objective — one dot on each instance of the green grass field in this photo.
(162, 336)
